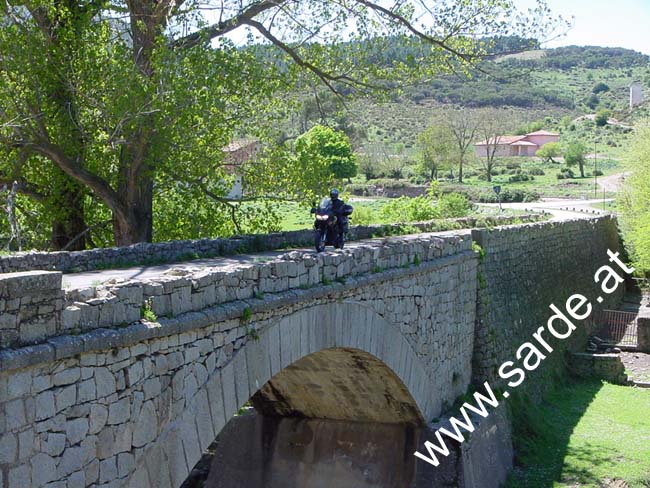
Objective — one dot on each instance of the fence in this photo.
(616, 327)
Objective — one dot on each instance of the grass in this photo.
(584, 436)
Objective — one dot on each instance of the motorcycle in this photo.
(329, 229)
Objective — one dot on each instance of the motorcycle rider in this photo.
(337, 207)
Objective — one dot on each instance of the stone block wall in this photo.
(136, 406)
(173, 251)
(643, 334)
(523, 270)
(182, 291)
(30, 306)
(608, 367)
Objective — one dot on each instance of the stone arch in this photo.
(323, 331)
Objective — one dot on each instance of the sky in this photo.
(612, 23)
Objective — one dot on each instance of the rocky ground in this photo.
(637, 366)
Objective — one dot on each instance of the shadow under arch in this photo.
(339, 383)
(336, 349)
(269, 370)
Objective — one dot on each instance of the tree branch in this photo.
(97, 184)
(224, 26)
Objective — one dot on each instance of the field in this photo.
(366, 211)
(587, 435)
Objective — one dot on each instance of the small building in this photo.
(509, 146)
(636, 94)
(238, 152)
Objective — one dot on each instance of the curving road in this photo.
(560, 208)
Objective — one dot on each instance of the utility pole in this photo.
(595, 171)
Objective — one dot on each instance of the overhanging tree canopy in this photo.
(128, 104)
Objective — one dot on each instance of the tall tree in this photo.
(574, 154)
(494, 125)
(437, 149)
(464, 126)
(137, 100)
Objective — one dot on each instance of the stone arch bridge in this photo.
(390, 330)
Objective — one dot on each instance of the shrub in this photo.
(597, 173)
(600, 87)
(565, 173)
(453, 205)
(536, 172)
(406, 209)
(520, 177)
(363, 216)
(359, 189)
(602, 116)
(389, 183)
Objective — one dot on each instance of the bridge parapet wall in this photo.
(30, 306)
(114, 307)
(174, 251)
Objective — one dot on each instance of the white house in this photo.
(238, 152)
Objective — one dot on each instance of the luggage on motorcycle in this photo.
(346, 210)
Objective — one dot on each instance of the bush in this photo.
(360, 189)
(565, 173)
(536, 172)
(363, 216)
(454, 205)
(597, 173)
(520, 177)
(417, 180)
(389, 183)
(602, 116)
(600, 87)
(404, 209)
(485, 195)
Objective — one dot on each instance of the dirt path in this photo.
(637, 366)
(613, 182)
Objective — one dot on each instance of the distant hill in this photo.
(517, 74)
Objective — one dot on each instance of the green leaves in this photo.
(636, 199)
(323, 156)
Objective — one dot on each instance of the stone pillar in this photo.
(30, 306)
(643, 334)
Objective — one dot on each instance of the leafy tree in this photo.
(328, 153)
(494, 125)
(574, 154)
(636, 201)
(437, 149)
(549, 151)
(464, 127)
(602, 116)
(131, 112)
(593, 101)
(367, 166)
(600, 88)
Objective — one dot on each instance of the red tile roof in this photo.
(503, 140)
(543, 133)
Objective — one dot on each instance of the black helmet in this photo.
(334, 194)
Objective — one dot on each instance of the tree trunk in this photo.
(66, 194)
(460, 171)
(135, 190)
(69, 223)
